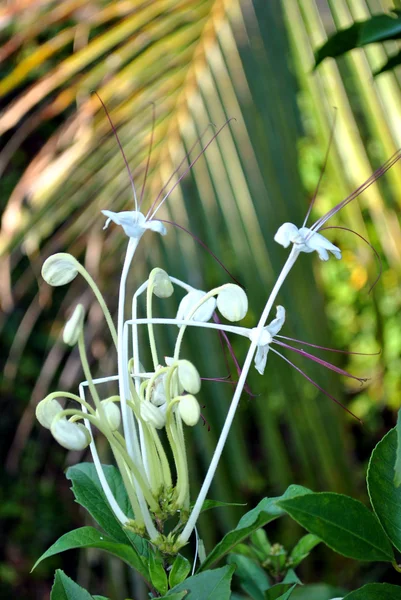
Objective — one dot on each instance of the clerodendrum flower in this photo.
(164, 397)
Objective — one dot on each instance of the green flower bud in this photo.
(112, 413)
(72, 436)
(153, 415)
(163, 288)
(232, 302)
(189, 410)
(46, 410)
(189, 377)
(59, 269)
(73, 327)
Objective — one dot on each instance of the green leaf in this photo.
(393, 61)
(253, 578)
(176, 595)
(89, 494)
(376, 591)
(341, 522)
(317, 591)
(65, 588)
(397, 466)
(179, 571)
(157, 573)
(267, 510)
(291, 577)
(209, 504)
(302, 549)
(384, 495)
(281, 591)
(210, 585)
(89, 537)
(376, 29)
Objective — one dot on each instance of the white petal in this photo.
(157, 226)
(275, 326)
(261, 358)
(132, 221)
(203, 313)
(286, 234)
(322, 245)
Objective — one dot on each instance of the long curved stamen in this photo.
(189, 168)
(315, 384)
(312, 202)
(284, 337)
(321, 362)
(149, 154)
(376, 175)
(368, 243)
(121, 149)
(187, 155)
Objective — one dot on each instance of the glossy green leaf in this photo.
(210, 585)
(319, 591)
(179, 570)
(281, 591)
(397, 465)
(342, 523)
(158, 576)
(176, 595)
(376, 591)
(302, 549)
(88, 537)
(253, 579)
(267, 510)
(291, 577)
(376, 29)
(88, 492)
(384, 495)
(65, 588)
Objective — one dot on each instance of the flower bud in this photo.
(112, 413)
(189, 410)
(232, 302)
(158, 394)
(163, 288)
(153, 415)
(59, 269)
(203, 313)
(46, 410)
(189, 377)
(73, 327)
(73, 436)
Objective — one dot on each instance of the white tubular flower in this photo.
(163, 288)
(266, 338)
(133, 222)
(153, 414)
(72, 436)
(112, 413)
(189, 410)
(232, 302)
(46, 410)
(59, 269)
(189, 376)
(203, 313)
(306, 240)
(73, 327)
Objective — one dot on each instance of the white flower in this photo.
(306, 240)
(266, 337)
(187, 304)
(133, 222)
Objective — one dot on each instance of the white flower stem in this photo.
(189, 527)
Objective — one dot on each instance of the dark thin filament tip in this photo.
(149, 153)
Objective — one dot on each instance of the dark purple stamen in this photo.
(316, 384)
(149, 154)
(205, 421)
(179, 167)
(195, 237)
(226, 379)
(312, 202)
(189, 167)
(120, 146)
(320, 361)
(284, 337)
(369, 244)
(378, 173)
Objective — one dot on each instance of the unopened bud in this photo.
(153, 415)
(158, 394)
(232, 302)
(46, 410)
(189, 376)
(189, 410)
(187, 304)
(59, 269)
(72, 436)
(163, 288)
(73, 327)
(112, 413)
